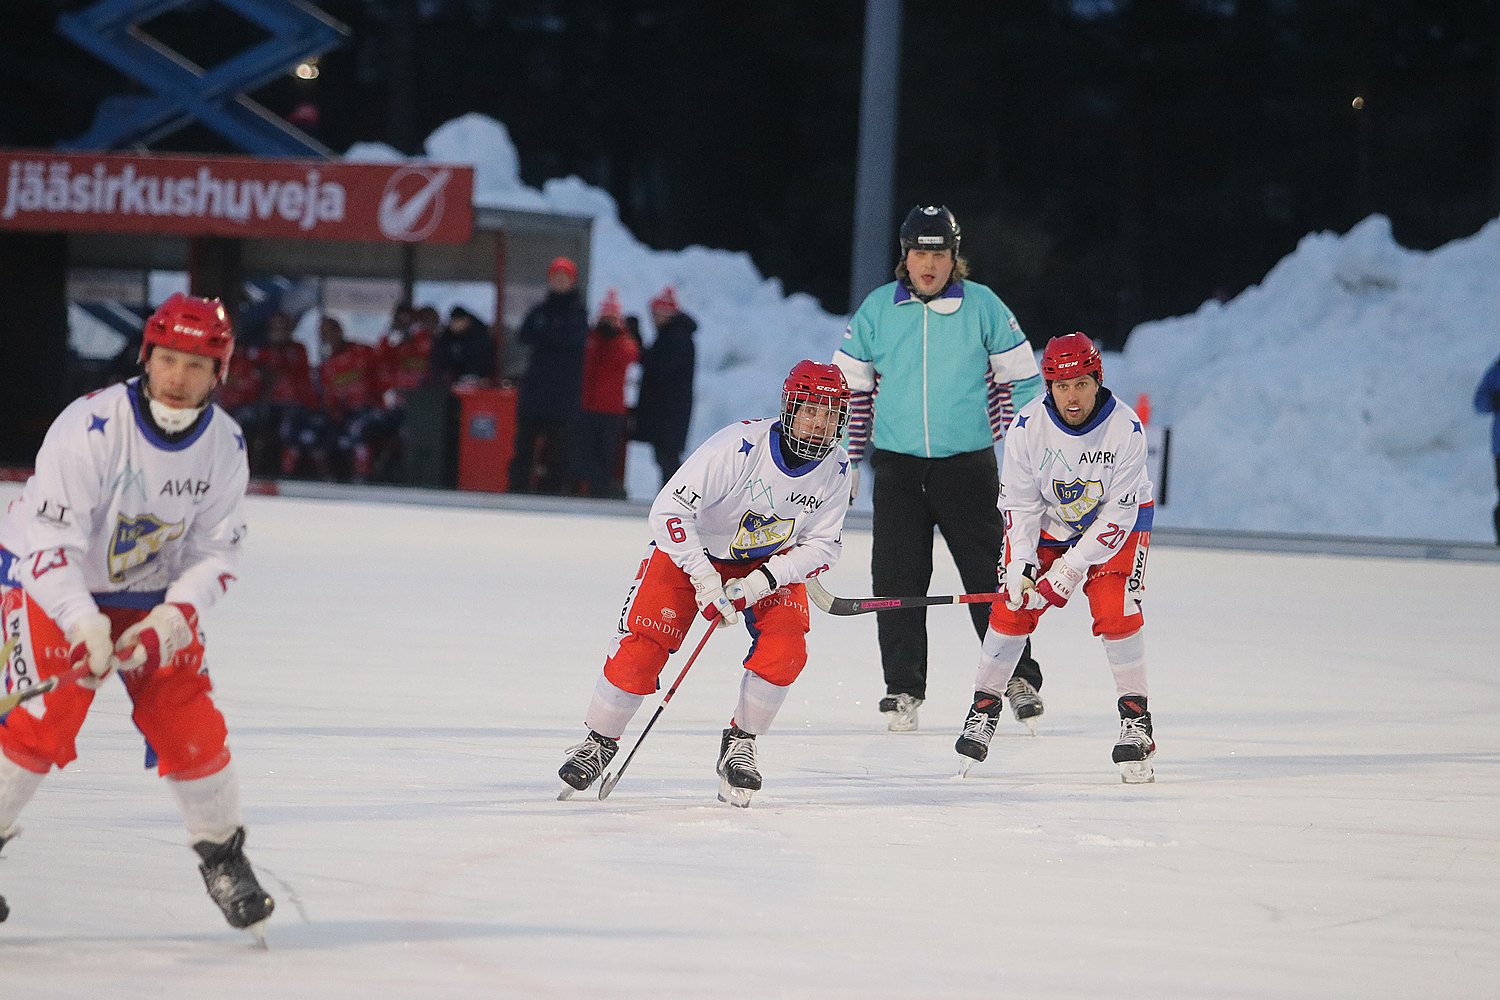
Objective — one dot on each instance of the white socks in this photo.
(17, 786)
(759, 702)
(1127, 659)
(210, 806)
(998, 657)
(611, 709)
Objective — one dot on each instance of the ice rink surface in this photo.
(401, 683)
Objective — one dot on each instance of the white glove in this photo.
(88, 642)
(1057, 586)
(748, 591)
(1020, 580)
(712, 601)
(156, 638)
(853, 482)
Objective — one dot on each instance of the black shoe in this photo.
(587, 760)
(979, 727)
(1136, 745)
(231, 882)
(737, 759)
(900, 711)
(1025, 703)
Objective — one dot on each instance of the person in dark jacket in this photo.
(463, 350)
(556, 329)
(665, 406)
(1487, 400)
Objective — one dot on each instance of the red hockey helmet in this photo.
(819, 385)
(1070, 356)
(193, 325)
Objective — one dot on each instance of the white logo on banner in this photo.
(412, 205)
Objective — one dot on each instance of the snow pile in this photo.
(1334, 397)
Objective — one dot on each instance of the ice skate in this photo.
(738, 776)
(900, 711)
(586, 761)
(974, 742)
(1136, 745)
(232, 884)
(1025, 704)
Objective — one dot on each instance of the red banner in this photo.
(414, 202)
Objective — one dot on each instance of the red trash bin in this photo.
(486, 437)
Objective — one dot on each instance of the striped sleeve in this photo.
(1002, 407)
(864, 383)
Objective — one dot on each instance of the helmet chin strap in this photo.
(172, 419)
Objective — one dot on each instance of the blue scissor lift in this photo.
(181, 92)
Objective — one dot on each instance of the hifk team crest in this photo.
(137, 541)
(760, 535)
(1078, 499)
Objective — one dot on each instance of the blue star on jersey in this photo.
(96, 423)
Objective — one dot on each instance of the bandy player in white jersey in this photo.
(755, 511)
(1076, 502)
(130, 526)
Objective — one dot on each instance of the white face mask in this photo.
(171, 419)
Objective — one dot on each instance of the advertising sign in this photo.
(409, 202)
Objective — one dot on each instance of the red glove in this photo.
(712, 601)
(155, 639)
(1057, 586)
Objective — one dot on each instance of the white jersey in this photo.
(116, 514)
(736, 500)
(1084, 488)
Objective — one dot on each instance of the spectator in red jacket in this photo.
(351, 401)
(291, 399)
(404, 355)
(608, 353)
(402, 364)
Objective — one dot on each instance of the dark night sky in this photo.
(1111, 162)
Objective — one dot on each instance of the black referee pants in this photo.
(1497, 506)
(912, 496)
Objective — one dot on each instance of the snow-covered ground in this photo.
(401, 683)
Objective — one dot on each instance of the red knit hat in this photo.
(565, 265)
(610, 307)
(665, 302)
